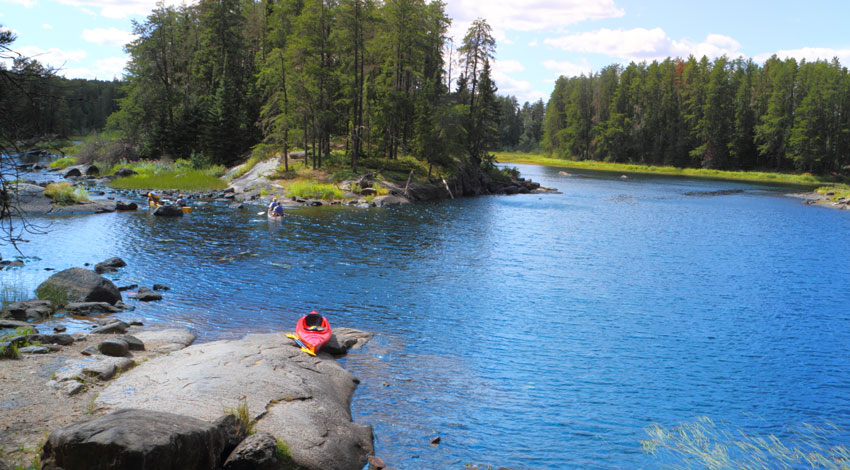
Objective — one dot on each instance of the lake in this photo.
(541, 331)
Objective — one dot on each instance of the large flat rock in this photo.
(300, 399)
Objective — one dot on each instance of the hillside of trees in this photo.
(725, 114)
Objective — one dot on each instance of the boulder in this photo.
(72, 172)
(126, 206)
(115, 347)
(28, 310)
(133, 439)
(166, 340)
(168, 211)
(34, 350)
(80, 285)
(116, 326)
(61, 339)
(300, 399)
(344, 339)
(147, 295)
(133, 343)
(12, 324)
(88, 308)
(390, 200)
(110, 264)
(255, 452)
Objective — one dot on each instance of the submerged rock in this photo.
(168, 211)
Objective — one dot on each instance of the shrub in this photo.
(63, 162)
(312, 189)
(63, 193)
(57, 295)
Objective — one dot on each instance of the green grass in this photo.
(57, 295)
(244, 416)
(65, 194)
(11, 351)
(284, 456)
(63, 163)
(755, 176)
(179, 175)
(837, 191)
(312, 189)
(703, 444)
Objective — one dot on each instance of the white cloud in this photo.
(640, 44)
(118, 8)
(25, 3)
(105, 69)
(46, 26)
(533, 15)
(521, 89)
(508, 66)
(568, 69)
(53, 57)
(811, 54)
(533, 43)
(109, 37)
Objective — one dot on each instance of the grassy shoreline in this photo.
(807, 180)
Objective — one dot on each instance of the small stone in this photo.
(131, 286)
(376, 462)
(34, 350)
(90, 351)
(101, 370)
(72, 387)
(435, 440)
(134, 344)
(59, 329)
(160, 287)
(114, 327)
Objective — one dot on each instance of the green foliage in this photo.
(401, 165)
(314, 190)
(57, 295)
(180, 175)
(10, 350)
(63, 163)
(835, 192)
(244, 416)
(705, 444)
(64, 194)
(284, 456)
(91, 408)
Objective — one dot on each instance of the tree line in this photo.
(36, 104)
(219, 79)
(721, 114)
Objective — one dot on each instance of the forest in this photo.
(726, 114)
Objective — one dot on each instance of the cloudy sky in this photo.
(537, 40)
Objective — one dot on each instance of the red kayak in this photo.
(314, 331)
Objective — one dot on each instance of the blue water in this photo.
(528, 331)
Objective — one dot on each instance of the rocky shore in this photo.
(122, 396)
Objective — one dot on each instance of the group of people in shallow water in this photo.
(153, 200)
(275, 209)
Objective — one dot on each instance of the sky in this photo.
(537, 40)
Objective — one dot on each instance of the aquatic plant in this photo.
(705, 444)
(10, 293)
(65, 194)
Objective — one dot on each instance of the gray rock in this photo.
(115, 347)
(133, 343)
(390, 201)
(80, 285)
(300, 399)
(131, 286)
(168, 211)
(124, 172)
(161, 287)
(28, 310)
(116, 326)
(34, 350)
(88, 308)
(126, 206)
(12, 324)
(111, 264)
(344, 339)
(101, 370)
(147, 295)
(166, 340)
(133, 439)
(61, 339)
(72, 172)
(256, 452)
(59, 329)
(89, 351)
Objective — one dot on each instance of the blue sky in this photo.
(537, 41)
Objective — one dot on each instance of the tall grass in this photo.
(11, 293)
(65, 194)
(755, 176)
(837, 191)
(180, 175)
(314, 190)
(703, 444)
